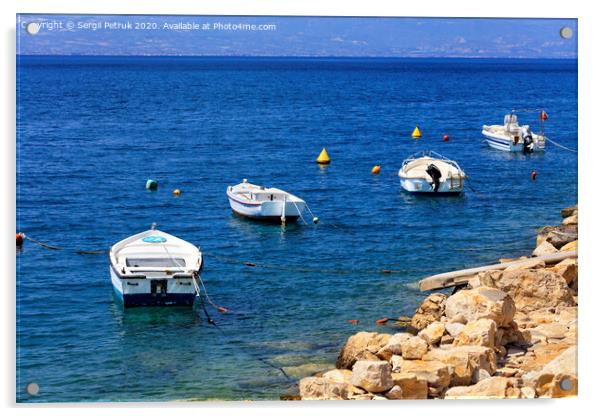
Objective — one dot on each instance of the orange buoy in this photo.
(19, 239)
(382, 321)
(221, 309)
(354, 321)
(533, 174)
(445, 138)
(376, 170)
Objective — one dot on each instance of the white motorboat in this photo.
(154, 268)
(513, 137)
(431, 173)
(261, 203)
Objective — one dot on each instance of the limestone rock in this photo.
(464, 361)
(318, 388)
(530, 289)
(372, 376)
(413, 348)
(393, 346)
(557, 235)
(338, 376)
(489, 388)
(395, 362)
(558, 378)
(570, 246)
(435, 373)
(396, 393)
(572, 220)
(480, 332)
(430, 311)
(432, 334)
(569, 211)
(412, 388)
(481, 302)
(543, 249)
(454, 328)
(568, 269)
(361, 346)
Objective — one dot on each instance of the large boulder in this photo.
(361, 346)
(372, 376)
(436, 374)
(338, 376)
(393, 346)
(431, 310)
(573, 245)
(558, 378)
(557, 235)
(530, 289)
(412, 388)
(481, 302)
(480, 332)
(465, 362)
(319, 388)
(568, 269)
(413, 348)
(432, 334)
(454, 328)
(489, 388)
(543, 249)
(572, 220)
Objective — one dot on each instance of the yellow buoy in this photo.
(416, 133)
(323, 159)
(176, 193)
(376, 170)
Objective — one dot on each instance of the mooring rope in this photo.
(561, 146)
(48, 246)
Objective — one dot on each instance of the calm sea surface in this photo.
(91, 131)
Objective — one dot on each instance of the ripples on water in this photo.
(92, 130)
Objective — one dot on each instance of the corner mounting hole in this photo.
(566, 32)
(32, 389)
(566, 384)
(32, 28)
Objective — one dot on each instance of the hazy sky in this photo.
(294, 36)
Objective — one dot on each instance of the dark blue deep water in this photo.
(91, 131)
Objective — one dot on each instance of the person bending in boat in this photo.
(527, 140)
(435, 174)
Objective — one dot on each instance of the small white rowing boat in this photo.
(513, 137)
(261, 203)
(431, 173)
(154, 268)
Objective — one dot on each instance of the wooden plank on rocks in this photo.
(461, 277)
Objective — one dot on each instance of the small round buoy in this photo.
(316, 220)
(445, 138)
(176, 193)
(354, 321)
(151, 184)
(382, 321)
(376, 170)
(19, 239)
(221, 309)
(533, 174)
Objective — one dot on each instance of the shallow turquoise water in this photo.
(91, 131)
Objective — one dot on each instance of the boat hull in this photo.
(154, 291)
(501, 142)
(270, 211)
(423, 187)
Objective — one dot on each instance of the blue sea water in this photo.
(91, 131)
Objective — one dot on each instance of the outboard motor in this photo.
(435, 175)
(528, 144)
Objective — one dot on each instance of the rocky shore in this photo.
(510, 333)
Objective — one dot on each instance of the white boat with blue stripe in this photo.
(512, 137)
(154, 268)
(262, 203)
